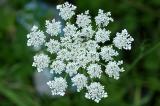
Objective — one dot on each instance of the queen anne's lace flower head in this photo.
(82, 53)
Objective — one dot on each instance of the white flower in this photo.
(95, 92)
(69, 30)
(92, 56)
(107, 53)
(102, 35)
(113, 69)
(71, 68)
(53, 46)
(83, 19)
(66, 41)
(103, 18)
(58, 86)
(57, 66)
(92, 45)
(53, 28)
(36, 38)
(80, 81)
(79, 56)
(87, 32)
(123, 40)
(41, 61)
(80, 46)
(94, 70)
(66, 10)
(63, 55)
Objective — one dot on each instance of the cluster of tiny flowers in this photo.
(94, 70)
(79, 80)
(41, 61)
(58, 86)
(53, 28)
(36, 38)
(95, 92)
(83, 53)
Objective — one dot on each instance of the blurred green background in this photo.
(139, 85)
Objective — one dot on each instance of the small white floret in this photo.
(53, 28)
(107, 53)
(80, 81)
(66, 10)
(41, 61)
(83, 19)
(102, 35)
(58, 86)
(123, 40)
(95, 92)
(103, 19)
(36, 38)
(57, 67)
(94, 70)
(53, 46)
(71, 68)
(113, 69)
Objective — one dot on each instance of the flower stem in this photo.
(101, 63)
(137, 97)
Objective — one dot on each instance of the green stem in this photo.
(101, 64)
(66, 75)
(137, 97)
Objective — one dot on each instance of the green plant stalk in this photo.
(137, 97)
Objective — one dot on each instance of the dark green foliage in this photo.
(139, 85)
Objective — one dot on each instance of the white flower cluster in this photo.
(102, 35)
(83, 19)
(95, 92)
(94, 70)
(79, 80)
(103, 18)
(53, 28)
(36, 38)
(58, 86)
(66, 10)
(82, 54)
(123, 40)
(41, 61)
(113, 69)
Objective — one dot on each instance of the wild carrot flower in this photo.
(83, 53)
